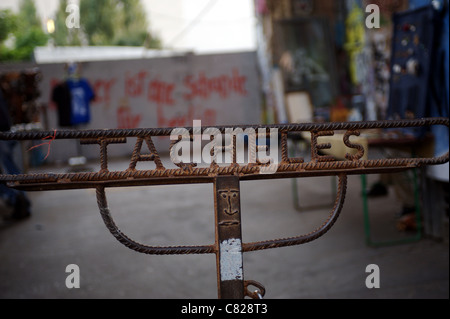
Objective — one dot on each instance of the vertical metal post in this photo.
(227, 206)
(365, 209)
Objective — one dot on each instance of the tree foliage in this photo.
(62, 35)
(97, 20)
(8, 24)
(106, 22)
(24, 30)
(102, 22)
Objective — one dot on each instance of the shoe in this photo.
(21, 208)
(6, 209)
(407, 223)
(377, 190)
(406, 220)
(407, 210)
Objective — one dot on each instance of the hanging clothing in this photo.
(73, 98)
(62, 98)
(5, 119)
(81, 96)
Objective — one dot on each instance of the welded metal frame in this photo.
(228, 246)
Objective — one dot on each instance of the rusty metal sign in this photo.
(225, 175)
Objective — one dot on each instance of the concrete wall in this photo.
(219, 89)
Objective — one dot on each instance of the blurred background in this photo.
(86, 64)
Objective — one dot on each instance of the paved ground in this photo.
(66, 228)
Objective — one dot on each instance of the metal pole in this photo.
(230, 270)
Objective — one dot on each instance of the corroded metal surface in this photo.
(228, 246)
(287, 167)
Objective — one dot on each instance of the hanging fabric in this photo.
(81, 96)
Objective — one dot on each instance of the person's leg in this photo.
(16, 199)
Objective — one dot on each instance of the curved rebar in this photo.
(208, 249)
(141, 248)
(303, 239)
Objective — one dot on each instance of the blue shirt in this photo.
(81, 94)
